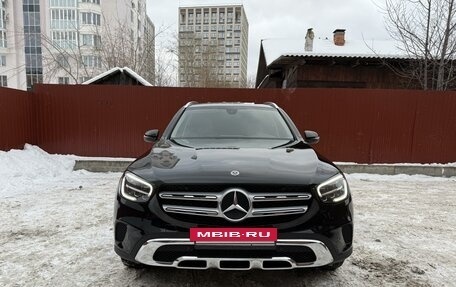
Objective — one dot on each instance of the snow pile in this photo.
(450, 164)
(397, 177)
(32, 165)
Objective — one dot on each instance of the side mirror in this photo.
(311, 137)
(151, 136)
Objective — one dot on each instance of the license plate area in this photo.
(233, 235)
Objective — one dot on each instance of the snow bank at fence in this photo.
(20, 169)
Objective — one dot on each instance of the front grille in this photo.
(194, 202)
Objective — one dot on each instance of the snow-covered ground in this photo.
(56, 230)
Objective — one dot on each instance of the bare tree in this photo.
(165, 67)
(121, 49)
(65, 54)
(426, 30)
(81, 54)
(251, 82)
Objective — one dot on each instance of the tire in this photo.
(133, 265)
(333, 266)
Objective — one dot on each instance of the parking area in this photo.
(57, 231)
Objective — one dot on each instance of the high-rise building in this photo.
(213, 43)
(71, 41)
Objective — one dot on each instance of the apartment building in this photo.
(213, 46)
(71, 41)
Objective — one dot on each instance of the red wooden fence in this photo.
(17, 117)
(358, 125)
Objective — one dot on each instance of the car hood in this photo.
(253, 165)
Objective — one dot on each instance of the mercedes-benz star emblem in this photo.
(235, 205)
(234, 173)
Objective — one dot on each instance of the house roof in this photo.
(274, 49)
(115, 70)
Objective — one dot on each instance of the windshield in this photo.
(231, 127)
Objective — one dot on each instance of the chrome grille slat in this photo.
(191, 210)
(280, 197)
(188, 196)
(207, 204)
(278, 211)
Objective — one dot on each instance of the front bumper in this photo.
(319, 238)
(148, 251)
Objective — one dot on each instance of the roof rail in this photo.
(272, 104)
(190, 103)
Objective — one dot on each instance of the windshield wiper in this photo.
(180, 144)
(287, 144)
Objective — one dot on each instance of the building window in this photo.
(89, 18)
(91, 40)
(230, 17)
(60, 19)
(238, 16)
(91, 61)
(3, 42)
(2, 61)
(3, 81)
(221, 17)
(64, 80)
(2, 16)
(91, 1)
(32, 40)
(64, 3)
(64, 39)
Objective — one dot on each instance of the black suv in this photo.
(233, 186)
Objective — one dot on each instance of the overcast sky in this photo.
(283, 19)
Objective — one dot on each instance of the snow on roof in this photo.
(121, 70)
(275, 48)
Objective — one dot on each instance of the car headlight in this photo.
(135, 188)
(333, 190)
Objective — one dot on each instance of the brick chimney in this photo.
(339, 37)
(309, 40)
